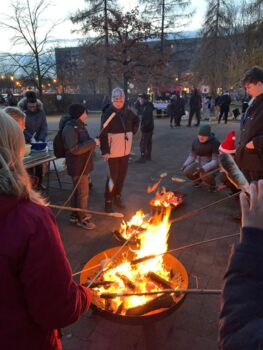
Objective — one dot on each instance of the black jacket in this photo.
(252, 130)
(195, 101)
(147, 123)
(79, 147)
(241, 317)
(176, 108)
(225, 101)
(116, 137)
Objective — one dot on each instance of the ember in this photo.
(146, 276)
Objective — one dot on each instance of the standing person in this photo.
(79, 147)
(35, 130)
(207, 107)
(147, 126)
(38, 294)
(195, 107)
(240, 320)
(29, 95)
(249, 155)
(176, 109)
(203, 158)
(119, 124)
(224, 103)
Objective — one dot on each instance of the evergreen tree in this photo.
(166, 15)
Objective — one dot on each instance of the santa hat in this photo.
(228, 145)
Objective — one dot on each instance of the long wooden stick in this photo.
(169, 251)
(61, 207)
(164, 291)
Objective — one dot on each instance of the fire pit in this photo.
(130, 272)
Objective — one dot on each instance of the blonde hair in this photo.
(14, 180)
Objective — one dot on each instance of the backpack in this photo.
(58, 144)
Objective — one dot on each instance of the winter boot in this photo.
(108, 207)
(118, 202)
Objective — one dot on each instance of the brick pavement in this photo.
(194, 324)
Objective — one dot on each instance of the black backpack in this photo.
(58, 144)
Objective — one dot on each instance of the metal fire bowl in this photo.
(98, 304)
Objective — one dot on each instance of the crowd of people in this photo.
(32, 254)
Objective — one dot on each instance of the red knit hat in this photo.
(228, 145)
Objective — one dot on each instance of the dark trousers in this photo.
(81, 195)
(223, 111)
(195, 111)
(177, 120)
(252, 175)
(117, 170)
(146, 145)
(191, 172)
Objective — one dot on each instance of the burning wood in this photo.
(161, 282)
(127, 282)
(100, 284)
(163, 301)
(147, 275)
(165, 199)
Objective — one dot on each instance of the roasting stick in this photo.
(197, 211)
(164, 291)
(137, 261)
(182, 217)
(110, 260)
(61, 207)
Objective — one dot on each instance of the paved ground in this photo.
(194, 324)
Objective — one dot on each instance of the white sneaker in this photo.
(86, 217)
(86, 225)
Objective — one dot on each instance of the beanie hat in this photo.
(228, 145)
(117, 94)
(76, 110)
(205, 130)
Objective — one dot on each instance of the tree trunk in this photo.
(107, 45)
(162, 27)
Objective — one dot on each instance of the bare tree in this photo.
(87, 18)
(25, 23)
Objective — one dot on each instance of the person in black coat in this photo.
(147, 126)
(224, 103)
(79, 147)
(195, 107)
(249, 155)
(241, 317)
(176, 109)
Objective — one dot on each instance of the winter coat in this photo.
(176, 108)
(36, 122)
(22, 104)
(79, 146)
(37, 293)
(252, 130)
(195, 101)
(116, 138)
(241, 317)
(205, 154)
(225, 101)
(147, 123)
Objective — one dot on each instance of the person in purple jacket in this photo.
(241, 317)
(38, 295)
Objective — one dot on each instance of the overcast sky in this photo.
(61, 10)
